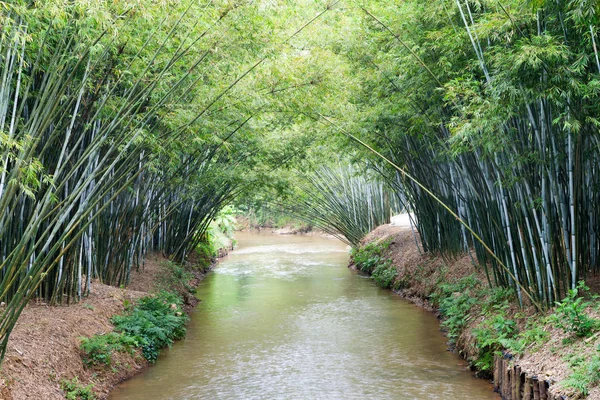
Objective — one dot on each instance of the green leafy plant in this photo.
(175, 278)
(534, 336)
(385, 274)
(75, 391)
(455, 310)
(455, 300)
(155, 322)
(98, 349)
(570, 313)
(492, 336)
(368, 257)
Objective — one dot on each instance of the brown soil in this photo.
(420, 273)
(43, 348)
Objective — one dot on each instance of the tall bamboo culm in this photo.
(512, 147)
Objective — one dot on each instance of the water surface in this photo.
(282, 317)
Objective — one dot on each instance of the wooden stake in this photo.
(536, 389)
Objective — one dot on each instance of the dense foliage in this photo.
(486, 114)
(126, 126)
(153, 324)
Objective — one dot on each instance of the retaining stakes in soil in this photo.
(514, 384)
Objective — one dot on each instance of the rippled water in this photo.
(283, 318)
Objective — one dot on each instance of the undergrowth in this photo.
(76, 391)
(570, 313)
(495, 325)
(368, 257)
(98, 349)
(174, 278)
(371, 259)
(585, 373)
(152, 324)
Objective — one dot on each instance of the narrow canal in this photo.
(282, 317)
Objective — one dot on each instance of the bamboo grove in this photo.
(119, 136)
(82, 197)
(490, 109)
(344, 201)
(125, 126)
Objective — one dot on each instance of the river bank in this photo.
(487, 327)
(44, 348)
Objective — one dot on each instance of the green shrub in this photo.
(155, 323)
(455, 310)
(385, 274)
(447, 290)
(206, 253)
(455, 301)
(534, 336)
(98, 349)
(570, 314)
(492, 335)
(368, 257)
(75, 391)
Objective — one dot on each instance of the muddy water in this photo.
(283, 318)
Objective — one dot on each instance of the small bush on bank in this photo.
(98, 349)
(586, 374)
(371, 260)
(466, 300)
(368, 257)
(206, 253)
(154, 323)
(492, 335)
(385, 274)
(174, 278)
(455, 301)
(570, 314)
(75, 391)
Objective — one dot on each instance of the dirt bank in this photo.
(43, 349)
(553, 358)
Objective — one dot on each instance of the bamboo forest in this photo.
(448, 150)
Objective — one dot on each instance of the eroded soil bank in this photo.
(43, 349)
(533, 340)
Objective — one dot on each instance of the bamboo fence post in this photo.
(527, 389)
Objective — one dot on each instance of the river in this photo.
(282, 317)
